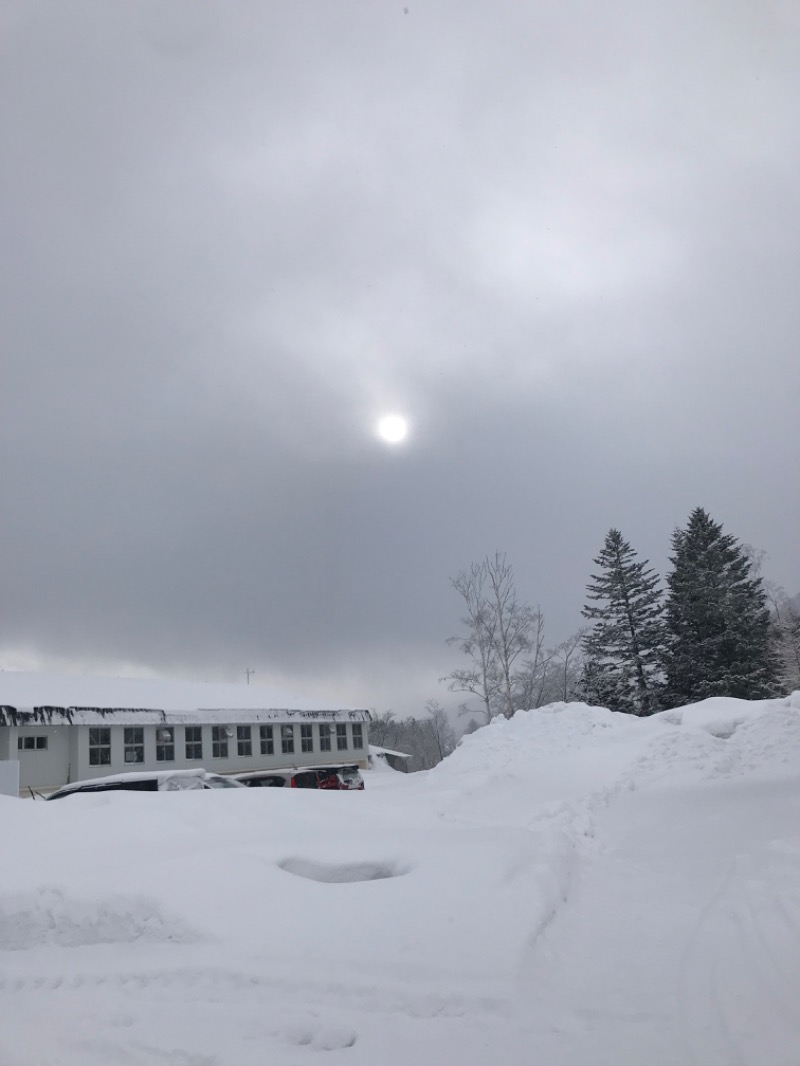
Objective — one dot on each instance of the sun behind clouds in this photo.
(392, 429)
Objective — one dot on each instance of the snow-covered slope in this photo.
(570, 887)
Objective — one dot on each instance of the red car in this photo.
(341, 778)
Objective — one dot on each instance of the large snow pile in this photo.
(570, 887)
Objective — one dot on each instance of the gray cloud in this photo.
(563, 240)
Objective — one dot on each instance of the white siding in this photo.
(66, 758)
(42, 768)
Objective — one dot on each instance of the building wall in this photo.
(9, 777)
(68, 756)
(41, 767)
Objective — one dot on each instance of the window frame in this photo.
(32, 743)
(358, 735)
(132, 741)
(341, 736)
(306, 737)
(99, 745)
(266, 739)
(165, 749)
(244, 741)
(193, 745)
(325, 736)
(287, 739)
(219, 742)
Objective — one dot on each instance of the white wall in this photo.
(43, 768)
(66, 758)
(9, 777)
(233, 763)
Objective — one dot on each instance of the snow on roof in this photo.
(26, 689)
(375, 750)
(52, 699)
(49, 716)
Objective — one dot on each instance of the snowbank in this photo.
(571, 886)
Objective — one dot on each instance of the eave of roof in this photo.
(57, 716)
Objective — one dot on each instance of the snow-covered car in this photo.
(337, 777)
(221, 781)
(147, 781)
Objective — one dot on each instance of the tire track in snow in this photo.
(214, 980)
(740, 975)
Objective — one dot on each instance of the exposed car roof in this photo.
(137, 775)
(287, 771)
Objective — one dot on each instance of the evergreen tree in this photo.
(717, 618)
(623, 649)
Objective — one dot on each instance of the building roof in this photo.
(83, 699)
(44, 689)
(49, 716)
(375, 750)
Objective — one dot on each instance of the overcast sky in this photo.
(561, 238)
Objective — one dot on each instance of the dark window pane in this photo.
(267, 742)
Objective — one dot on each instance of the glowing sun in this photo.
(393, 429)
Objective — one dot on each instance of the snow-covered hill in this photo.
(570, 887)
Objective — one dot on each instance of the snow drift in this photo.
(570, 887)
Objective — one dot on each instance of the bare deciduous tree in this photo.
(426, 740)
(478, 643)
(785, 634)
(441, 729)
(535, 673)
(499, 632)
(552, 674)
(567, 656)
(784, 624)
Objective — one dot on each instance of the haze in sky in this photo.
(559, 241)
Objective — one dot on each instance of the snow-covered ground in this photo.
(570, 888)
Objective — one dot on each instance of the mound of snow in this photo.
(570, 886)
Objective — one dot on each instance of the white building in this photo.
(58, 745)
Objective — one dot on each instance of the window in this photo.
(268, 781)
(267, 741)
(324, 737)
(306, 780)
(244, 742)
(341, 737)
(165, 744)
(194, 742)
(287, 739)
(32, 743)
(219, 742)
(134, 744)
(100, 747)
(306, 738)
(358, 735)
